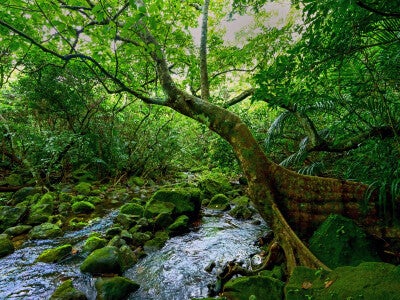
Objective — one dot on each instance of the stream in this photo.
(176, 272)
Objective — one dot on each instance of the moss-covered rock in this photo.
(55, 254)
(186, 200)
(42, 210)
(154, 208)
(115, 288)
(6, 246)
(22, 194)
(113, 231)
(105, 260)
(66, 291)
(257, 287)
(128, 257)
(77, 223)
(159, 240)
(10, 216)
(83, 188)
(162, 221)
(241, 212)
(132, 209)
(135, 180)
(17, 230)
(92, 243)
(83, 207)
(369, 281)
(140, 238)
(214, 183)
(219, 201)
(181, 225)
(339, 242)
(126, 221)
(45, 231)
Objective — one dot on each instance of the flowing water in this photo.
(174, 272)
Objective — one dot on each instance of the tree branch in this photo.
(86, 58)
(242, 96)
(205, 83)
(381, 13)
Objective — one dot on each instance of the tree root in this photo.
(232, 268)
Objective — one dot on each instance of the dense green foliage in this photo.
(326, 81)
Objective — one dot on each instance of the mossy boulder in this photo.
(214, 183)
(339, 242)
(66, 291)
(83, 207)
(105, 260)
(135, 180)
(219, 201)
(6, 246)
(154, 208)
(254, 287)
(180, 225)
(115, 288)
(127, 257)
(368, 281)
(10, 216)
(17, 230)
(185, 200)
(45, 231)
(55, 254)
(140, 238)
(159, 240)
(92, 243)
(126, 221)
(163, 220)
(22, 194)
(83, 188)
(132, 209)
(241, 212)
(42, 210)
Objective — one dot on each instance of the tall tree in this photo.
(119, 39)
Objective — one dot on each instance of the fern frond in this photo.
(313, 169)
(277, 127)
(295, 158)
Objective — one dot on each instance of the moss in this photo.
(154, 208)
(214, 183)
(105, 260)
(10, 216)
(17, 230)
(45, 231)
(157, 242)
(180, 225)
(83, 207)
(92, 243)
(186, 200)
(66, 291)
(83, 188)
(42, 210)
(132, 209)
(162, 221)
(55, 254)
(76, 223)
(219, 201)
(258, 287)
(339, 241)
(6, 246)
(369, 281)
(22, 194)
(134, 180)
(115, 288)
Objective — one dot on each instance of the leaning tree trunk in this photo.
(272, 188)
